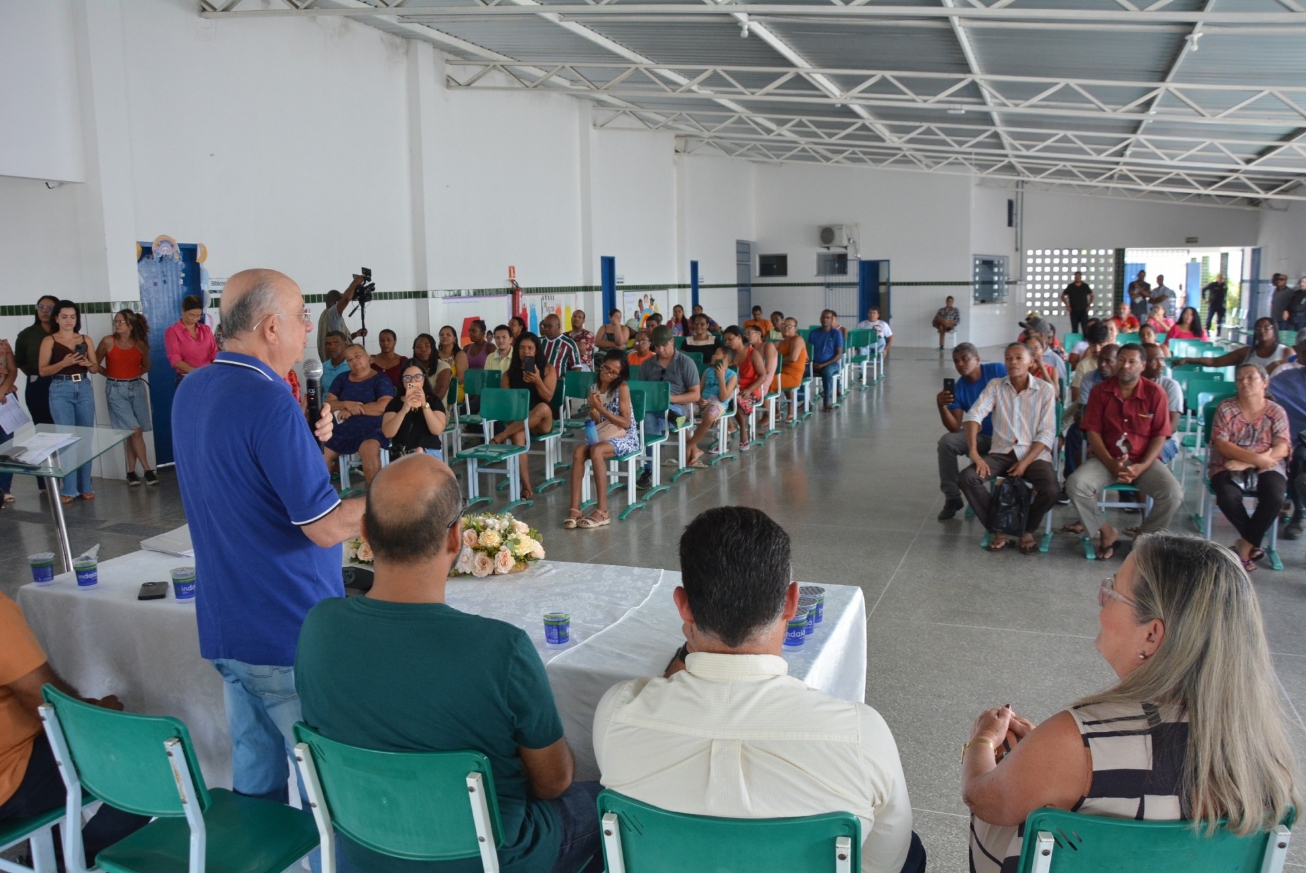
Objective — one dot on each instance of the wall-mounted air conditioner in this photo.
(834, 235)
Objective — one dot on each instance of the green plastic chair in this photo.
(1288, 337)
(678, 341)
(1070, 340)
(146, 765)
(575, 386)
(631, 460)
(697, 358)
(505, 405)
(1057, 841)
(639, 838)
(418, 806)
(1123, 338)
(657, 402)
(864, 339)
(37, 832)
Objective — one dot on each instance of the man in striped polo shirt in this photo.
(1024, 434)
(561, 351)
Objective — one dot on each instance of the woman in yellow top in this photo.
(451, 359)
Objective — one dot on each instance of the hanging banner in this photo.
(460, 312)
(641, 304)
(538, 306)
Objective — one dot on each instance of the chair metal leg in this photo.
(473, 485)
(586, 500)
(722, 442)
(632, 495)
(656, 472)
(317, 800)
(685, 470)
(514, 485)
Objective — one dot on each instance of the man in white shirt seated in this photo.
(727, 732)
(885, 333)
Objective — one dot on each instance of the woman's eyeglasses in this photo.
(414, 378)
(1107, 591)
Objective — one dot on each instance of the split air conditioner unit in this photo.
(835, 235)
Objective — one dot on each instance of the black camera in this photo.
(363, 293)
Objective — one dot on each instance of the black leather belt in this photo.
(75, 377)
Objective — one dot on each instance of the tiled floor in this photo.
(951, 629)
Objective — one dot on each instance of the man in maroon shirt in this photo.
(1126, 422)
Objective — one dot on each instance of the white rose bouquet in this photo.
(497, 545)
(358, 551)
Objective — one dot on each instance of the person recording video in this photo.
(333, 317)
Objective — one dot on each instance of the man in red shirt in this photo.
(1126, 422)
(1124, 319)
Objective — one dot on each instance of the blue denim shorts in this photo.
(129, 404)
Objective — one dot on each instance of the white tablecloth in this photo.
(105, 641)
(833, 659)
(623, 620)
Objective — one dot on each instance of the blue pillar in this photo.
(693, 285)
(868, 287)
(608, 276)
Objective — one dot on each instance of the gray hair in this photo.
(1214, 665)
(256, 303)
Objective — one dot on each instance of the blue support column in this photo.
(693, 285)
(608, 278)
(868, 286)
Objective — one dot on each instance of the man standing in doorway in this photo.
(266, 523)
(1215, 295)
(1279, 294)
(1078, 298)
(1140, 296)
(1163, 296)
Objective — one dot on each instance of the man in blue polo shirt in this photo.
(264, 521)
(825, 347)
(953, 406)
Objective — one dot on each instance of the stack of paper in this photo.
(39, 446)
(174, 542)
(12, 415)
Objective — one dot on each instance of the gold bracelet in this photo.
(966, 747)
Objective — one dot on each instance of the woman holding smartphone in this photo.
(618, 434)
(415, 418)
(68, 358)
(529, 370)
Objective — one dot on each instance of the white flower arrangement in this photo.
(497, 545)
(492, 545)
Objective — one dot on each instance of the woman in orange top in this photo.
(125, 354)
(793, 360)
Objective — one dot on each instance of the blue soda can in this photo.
(796, 630)
(557, 628)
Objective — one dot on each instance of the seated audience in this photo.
(793, 361)
(414, 420)
(777, 327)
(671, 366)
(479, 345)
(387, 361)
(748, 361)
(884, 339)
(1265, 350)
(618, 434)
(498, 360)
(1127, 422)
(770, 366)
(826, 345)
(720, 380)
(612, 335)
(641, 352)
(1147, 334)
(762, 323)
(583, 338)
(1189, 326)
(1096, 336)
(1154, 369)
(531, 372)
(399, 670)
(1082, 346)
(1288, 387)
(701, 340)
(450, 363)
(1194, 729)
(1106, 369)
(30, 784)
(358, 398)
(337, 342)
(1125, 320)
(677, 322)
(946, 320)
(953, 405)
(726, 732)
(711, 322)
(1040, 368)
(1053, 356)
(1024, 436)
(1250, 445)
(516, 327)
(562, 354)
(1160, 322)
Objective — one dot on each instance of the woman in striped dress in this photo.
(1194, 730)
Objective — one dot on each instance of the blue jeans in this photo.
(73, 403)
(578, 816)
(654, 425)
(1169, 450)
(6, 479)
(826, 375)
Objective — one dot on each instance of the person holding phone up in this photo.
(415, 418)
(529, 370)
(68, 358)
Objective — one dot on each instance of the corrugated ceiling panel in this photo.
(527, 38)
(873, 47)
(1128, 55)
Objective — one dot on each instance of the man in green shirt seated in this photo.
(400, 670)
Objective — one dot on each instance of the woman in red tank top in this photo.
(125, 358)
(752, 385)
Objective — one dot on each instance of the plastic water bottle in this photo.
(591, 432)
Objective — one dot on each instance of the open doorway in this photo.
(1188, 270)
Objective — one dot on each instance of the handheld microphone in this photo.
(313, 391)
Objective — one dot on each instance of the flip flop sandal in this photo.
(1028, 548)
(699, 464)
(592, 522)
(1073, 527)
(998, 545)
(1106, 553)
(1256, 554)
(1250, 566)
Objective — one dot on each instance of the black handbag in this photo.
(1247, 480)
(1009, 506)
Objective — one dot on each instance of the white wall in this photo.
(716, 208)
(39, 100)
(633, 196)
(1282, 239)
(1074, 221)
